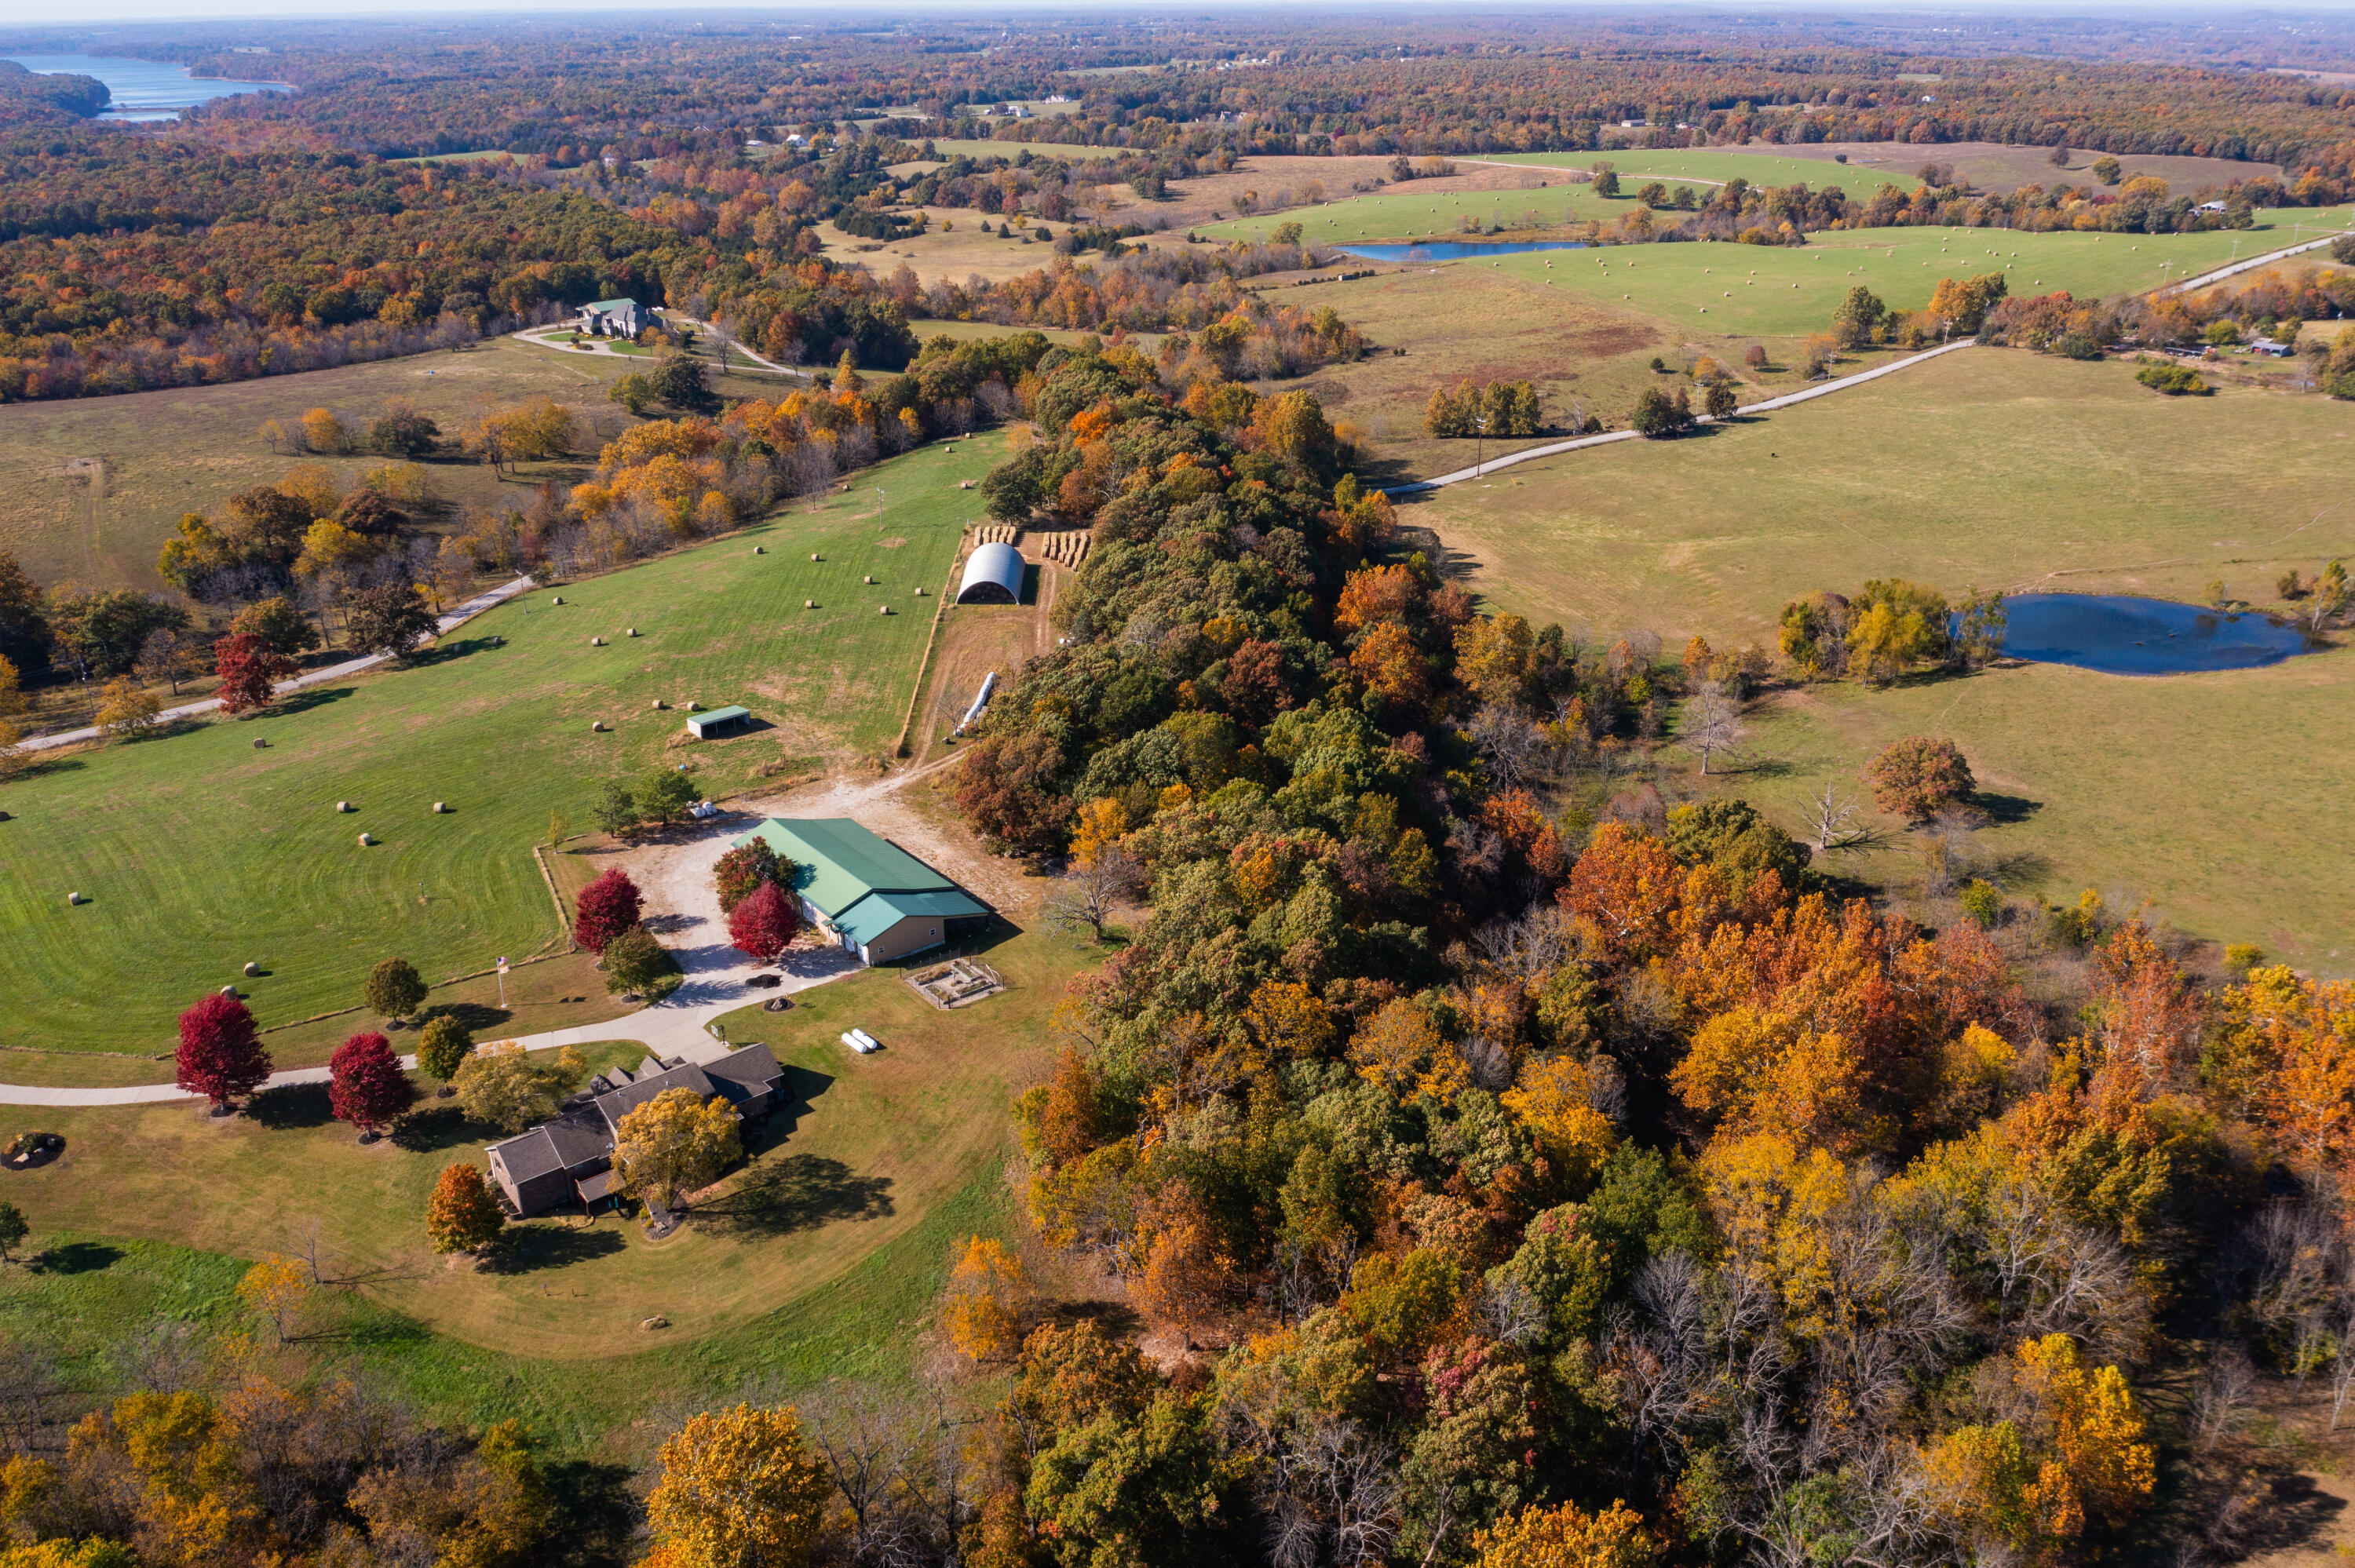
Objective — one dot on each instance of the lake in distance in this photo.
(144, 90)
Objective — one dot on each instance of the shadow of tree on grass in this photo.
(799, 1193)
(75, 1258)
(525, 1249)
(291, 1106)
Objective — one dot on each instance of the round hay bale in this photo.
(260, 743)
(440, 807)
(660, 705)
(596, 727)
(596, 643)
(73, 898)
(693, 707)
(366, 839)
(342, 806)
(870, 579)
(229, 990)
(920, 593)
(809, 604)
(633, 632)
(882, 609)
(252, 970)
(815, 556)
(558, 599)
(760, 549)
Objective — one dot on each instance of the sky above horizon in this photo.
(51, 13)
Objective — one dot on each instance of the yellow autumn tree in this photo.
(2082, 1455)
(275, 1290)
(1555, 1100)
(1400, 1049)
(987, 1291)
(322, 432)
(1765, 1072)
(1097, 825)
(1286, 1016)
(1566, 1537)
(674, 1143)
(1492, 657)
(738, 1487)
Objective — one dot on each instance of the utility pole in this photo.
(1479, 442)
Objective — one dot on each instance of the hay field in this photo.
(200, 852)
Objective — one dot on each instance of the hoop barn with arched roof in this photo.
(993, 574)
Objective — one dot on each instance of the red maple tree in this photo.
(763, 922)
(367, 1088)
(220, 1055)
(248, 670)
(606, 907)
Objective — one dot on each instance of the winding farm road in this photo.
(458, 616)
(2267, 260)
(1805, 394)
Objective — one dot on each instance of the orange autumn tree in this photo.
(987, 1294)
(2285, 1058)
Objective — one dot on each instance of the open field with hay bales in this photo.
(1993, 469)
(822, 1258)
(201, 851)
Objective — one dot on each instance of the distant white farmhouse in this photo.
(613, 318)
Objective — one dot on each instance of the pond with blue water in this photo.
(144, 90)
(1455, 249)
(2122, 635)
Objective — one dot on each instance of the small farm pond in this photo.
(1454, 250)
(2122, 635)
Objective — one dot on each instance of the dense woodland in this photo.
(1487, 1161)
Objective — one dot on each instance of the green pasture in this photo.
(1776, 290)
(200, 851)
(1995, 469)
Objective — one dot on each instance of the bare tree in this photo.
(1831, 820)
(1091, 894)
(1515, 749)
(1711, 723)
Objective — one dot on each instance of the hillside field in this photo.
(201, 851)
(821, 1257)
(2000, 470)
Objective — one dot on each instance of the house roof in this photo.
(621, 1102)
(840, 863)
(567, 1143)
(752, 1069)
(610, 305)
(870, 918)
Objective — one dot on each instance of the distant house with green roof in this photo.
(612, 318)
(874, 897)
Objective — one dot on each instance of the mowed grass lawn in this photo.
(821, 1257)
(2000, 470)
(200, 851)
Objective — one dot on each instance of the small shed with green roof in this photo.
(874, 897)
(718, 721)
